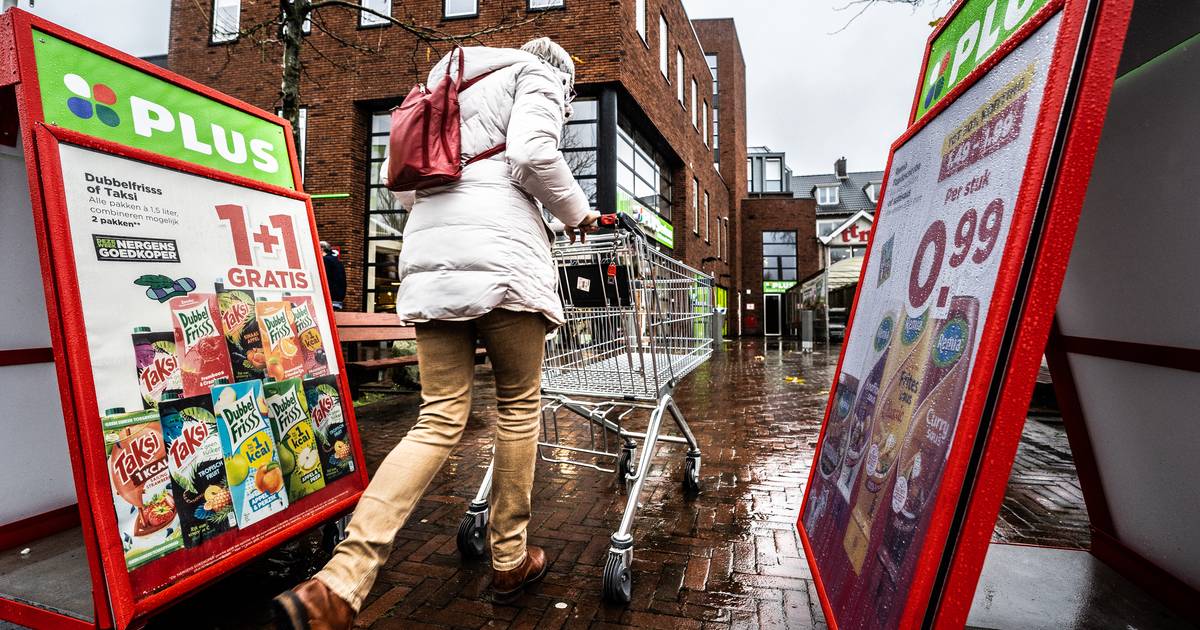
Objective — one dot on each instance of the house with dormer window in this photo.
(845, 203)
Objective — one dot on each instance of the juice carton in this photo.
(141, 485)
(299, 456)
(333, 438)
(284, 359)
(316, 362)
(251, 458)
(197, 468)
(242, 335)
(199, 343)
(157, 366)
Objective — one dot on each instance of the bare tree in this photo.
(286, 29)
(860, 6)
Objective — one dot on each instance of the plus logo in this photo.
(937, 80)
(91, 100)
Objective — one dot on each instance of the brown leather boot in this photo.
(509, 584)
(312, 606)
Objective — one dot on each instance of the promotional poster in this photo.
(942, 228)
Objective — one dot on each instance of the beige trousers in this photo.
(515, 343)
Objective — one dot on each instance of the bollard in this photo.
(806, 330)
(718, 324)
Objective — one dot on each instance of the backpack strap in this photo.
(464, 85)
(489, 153)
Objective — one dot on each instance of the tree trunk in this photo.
(294, 13)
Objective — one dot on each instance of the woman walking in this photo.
(475, 265)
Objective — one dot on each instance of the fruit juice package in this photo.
(299, 457)
(251, 458)
(197, 468)
(284, 359)
(141, 485)
(316, 362)
(199, 343)
(157, 366)
(242, 335)
(333, 437)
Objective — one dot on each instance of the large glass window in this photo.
(378, 6)
(640, 18)
(385, 225)
(663, 47)
(460, 8)
(226, 20)
(579, 144)
(779, 255)
(643, 176)
(773, 175)
(679, 74)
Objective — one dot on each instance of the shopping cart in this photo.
(638, 321)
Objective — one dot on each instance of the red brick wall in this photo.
(763, 214)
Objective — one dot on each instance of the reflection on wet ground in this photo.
(727, 558)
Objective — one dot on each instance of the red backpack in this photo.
(426, 141)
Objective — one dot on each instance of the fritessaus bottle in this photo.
(925, 451)
(862, 417)
(892, 417)
(834, 445)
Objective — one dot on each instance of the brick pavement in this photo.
(729, 558)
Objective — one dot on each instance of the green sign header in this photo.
(95, 95)
(972, 35)
(777, 286)
(657, 227)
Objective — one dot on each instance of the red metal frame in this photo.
(966, 554)
(37, 527)
(136, 595)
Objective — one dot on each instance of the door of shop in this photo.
(772, 320)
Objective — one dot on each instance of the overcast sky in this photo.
(816, 94)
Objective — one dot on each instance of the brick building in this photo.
(640, 136)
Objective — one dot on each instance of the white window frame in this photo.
(873, 192)
(639, 19)
(367, 20)
(543, 5)
(832, 223)
(827, 195)
(707, 220)
(720, 256)
(695, 206)
(222, 34)
(679, 75)
(695, 113)
(704, 123)
(461, 14)
(664, 48)
(726, 236)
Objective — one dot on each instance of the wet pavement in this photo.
(728, 558)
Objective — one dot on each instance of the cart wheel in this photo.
(472, 536)
(618, 583)
(625, 464)
(691, 475)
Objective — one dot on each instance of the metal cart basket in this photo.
(638, 321)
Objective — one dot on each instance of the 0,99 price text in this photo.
(975, 239)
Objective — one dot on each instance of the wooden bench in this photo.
(355, 328)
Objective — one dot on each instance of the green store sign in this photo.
(95, 95)
(777, 286)
(972, 35)
(657, 227)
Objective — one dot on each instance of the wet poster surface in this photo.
(942, 229)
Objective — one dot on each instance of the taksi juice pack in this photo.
(242, 335)
(157, 365)
(304, 318)
(251, 458)
(284, 359)
(199, 343)
(299, 457)
(333, 438)
(197, 468)
(141, 485)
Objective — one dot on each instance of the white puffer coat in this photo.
(481, 243)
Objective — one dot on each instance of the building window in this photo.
(378, 6)
(663, 48)
(750, 174)
(773, 175)
(779, 255)
(643, 176)
(837, 254)
(872, 190)
(226, 20)
(825, 227)
(385, 225)
(639, 18)
(542, 5)
(695, 114)
(827, 195)
(707, 219)
(579, 144)
(679, 74)
(460, 8)
(720, 256)
(716, 143)
(704, 123)
(725, 235)
(695, 206)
